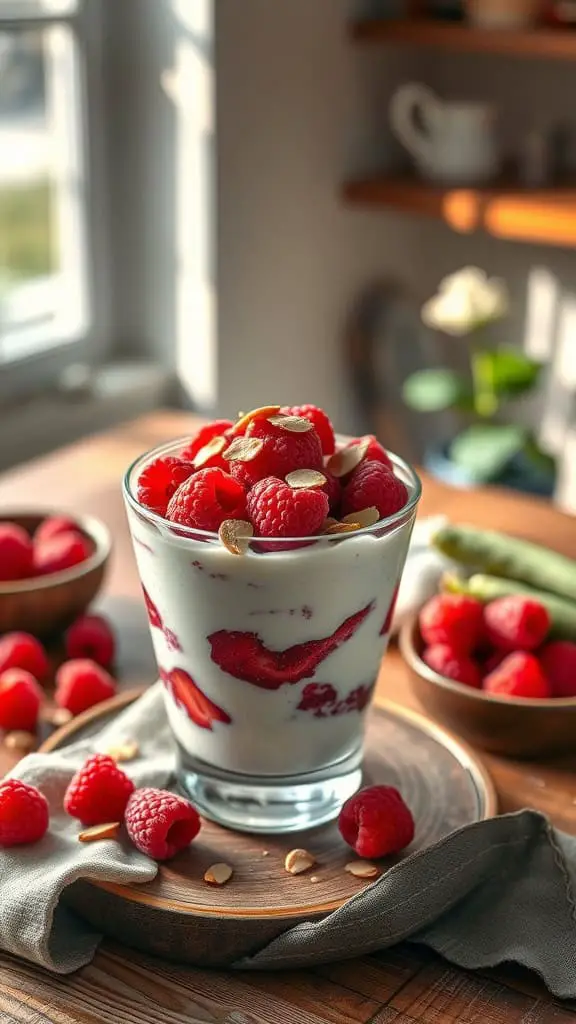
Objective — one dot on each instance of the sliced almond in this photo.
(57, 716)
(295, 424)
(214, 447)
(362, 869)
(235, 535)
(126, 751)
(314, 878)
(244, 418)
(336, 528)
(21, 741)
(367, 517)
(345, 460)
(308, 478)
(218, 874)
(108, 831)
(298, 861)
(243, 449)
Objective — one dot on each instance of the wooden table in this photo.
(407, 984)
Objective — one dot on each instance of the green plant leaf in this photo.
(513, 373)
(485, 449)
(435, 390)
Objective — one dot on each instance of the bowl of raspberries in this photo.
(497, 673)
(51, 568)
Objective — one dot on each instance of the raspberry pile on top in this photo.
(276, 472)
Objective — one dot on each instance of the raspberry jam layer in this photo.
(268, 661)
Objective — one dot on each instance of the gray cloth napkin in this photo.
(495, 891)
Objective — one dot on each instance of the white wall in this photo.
(298, 107)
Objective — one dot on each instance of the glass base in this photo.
(269, 804)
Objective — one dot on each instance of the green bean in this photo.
(500, 555)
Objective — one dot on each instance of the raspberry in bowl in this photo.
(52, 566)
(270, 606)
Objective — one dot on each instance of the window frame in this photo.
(40, 370)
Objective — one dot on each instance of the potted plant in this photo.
(488, 447)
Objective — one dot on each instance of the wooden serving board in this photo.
(178, 916)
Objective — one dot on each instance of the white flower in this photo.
(465, 301)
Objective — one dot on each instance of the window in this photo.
(46, 249)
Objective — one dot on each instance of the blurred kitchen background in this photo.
(207, 203)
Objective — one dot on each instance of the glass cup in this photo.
(269, 659)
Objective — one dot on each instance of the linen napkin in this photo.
(495, 891)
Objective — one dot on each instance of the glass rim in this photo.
(193, 533)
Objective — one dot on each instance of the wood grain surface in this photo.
(407, 984)
(181, 918)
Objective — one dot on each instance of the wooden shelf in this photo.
(506, 210)
(457, 36)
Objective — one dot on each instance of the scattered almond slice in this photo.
(314, 878)
(294, 424)
(308, 478)
(337, 527)
(298, 861)
(126, 751)
(235, 535)
(344, 461)
(362, 869)
(215, 446)
(265, 853)
(108, 831)
(57, 716)
(245, 418)
(367, 517)
(243, 449)
(218, 874)
(23, 742)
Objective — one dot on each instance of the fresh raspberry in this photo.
(282, 452)
(374, 452)
(217, 428)
(370, 484)
(322, 424)
(91, 636)
(22, 650)
(276, 510)
(24, 814)
(207, 499)
(516, 623)
(159, 480)
(453, 619)
(20, 700)
(376, 822)
(159, 823)
(453, 664)
(61, 552)
(81, 683)
(98, 792)
(333, 491)
(245, 657)
(54, 525)
(15, 553)
(558, 661)
(519, 675)
(188, 695)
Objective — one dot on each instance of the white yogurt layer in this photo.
(285, 598)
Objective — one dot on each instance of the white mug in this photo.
(456, 143)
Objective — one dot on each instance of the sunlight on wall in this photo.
(550, 336)
(190, 86)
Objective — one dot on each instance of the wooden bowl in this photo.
(514, 726)
(47, 604)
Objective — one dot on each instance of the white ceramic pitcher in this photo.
(456, 143)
